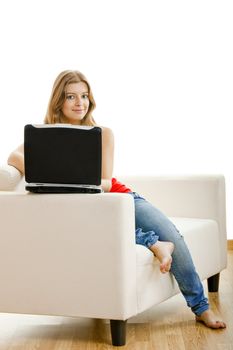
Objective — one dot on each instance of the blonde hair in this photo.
(54, 112)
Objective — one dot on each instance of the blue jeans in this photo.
(153, 225)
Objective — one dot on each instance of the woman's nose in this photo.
(78, 100)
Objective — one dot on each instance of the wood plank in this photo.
(230, 244)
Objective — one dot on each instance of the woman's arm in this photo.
(107, 158)
(16, 159)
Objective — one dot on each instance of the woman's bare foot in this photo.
(163, 251)
(210, 320)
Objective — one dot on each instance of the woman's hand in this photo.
(106, 185)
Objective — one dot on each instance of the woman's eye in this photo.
(70, 97)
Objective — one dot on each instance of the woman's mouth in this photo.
(78, 110)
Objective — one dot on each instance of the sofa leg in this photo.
(213, 283)
(118, 332)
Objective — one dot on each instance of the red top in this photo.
(118, 187)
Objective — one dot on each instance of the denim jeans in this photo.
(153, 225)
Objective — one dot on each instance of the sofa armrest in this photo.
(68, 254)
(9, 177)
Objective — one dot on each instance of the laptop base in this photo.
(42, 188)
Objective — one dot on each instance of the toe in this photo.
(162, 269)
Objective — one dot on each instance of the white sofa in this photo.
(75, 254)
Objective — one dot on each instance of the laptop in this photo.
(62, 158)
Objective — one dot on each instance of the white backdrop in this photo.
(161, 73)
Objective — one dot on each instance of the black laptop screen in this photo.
(62, 154)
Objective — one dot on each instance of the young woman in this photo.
(72, 102)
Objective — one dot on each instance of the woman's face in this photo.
(76, 103)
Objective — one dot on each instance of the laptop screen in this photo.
(62, 153)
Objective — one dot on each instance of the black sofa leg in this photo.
(118, 332)
(213, 283)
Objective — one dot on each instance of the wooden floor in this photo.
(169, 325)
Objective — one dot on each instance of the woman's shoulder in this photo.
(106, 131)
